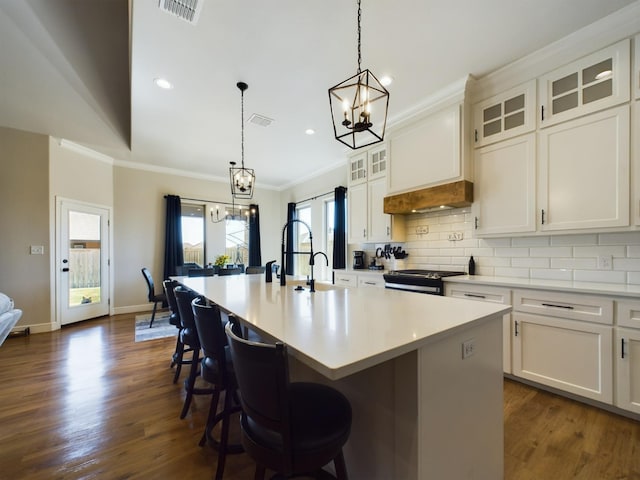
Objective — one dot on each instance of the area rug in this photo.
(161, 327)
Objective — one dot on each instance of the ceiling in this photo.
(71, 70)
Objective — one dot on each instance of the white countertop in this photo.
(339, 331)
(611, 289)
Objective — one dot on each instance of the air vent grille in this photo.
(187, 10)
(260, 120)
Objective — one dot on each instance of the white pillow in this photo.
(6, 303)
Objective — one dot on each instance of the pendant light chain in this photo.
(242, 125)
(359, 34)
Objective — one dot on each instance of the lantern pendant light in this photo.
(359, 106)
(243, 179)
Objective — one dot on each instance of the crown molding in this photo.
(624, 23)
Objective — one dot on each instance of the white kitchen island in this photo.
(420, 410)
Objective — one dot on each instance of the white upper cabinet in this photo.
(367, 189)
(584, 172)
(592, 83)
(505, 187)
(357, 213)
(506, 115)
(428, 152)
(635, 138)
(635, 77)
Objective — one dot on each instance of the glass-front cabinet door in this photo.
(505, 115)
(593, 83)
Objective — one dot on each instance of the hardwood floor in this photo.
(86, 402)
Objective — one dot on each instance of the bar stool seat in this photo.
(291, 428)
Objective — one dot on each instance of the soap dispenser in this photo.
(472, 266)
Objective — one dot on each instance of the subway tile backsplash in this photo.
(553, 257)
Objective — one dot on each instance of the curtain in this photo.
(173, 257)
(340, 228)
(291, 215)
(255, 257)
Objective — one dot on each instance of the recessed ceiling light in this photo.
(386, 80)
(163, 83)
(309, 131)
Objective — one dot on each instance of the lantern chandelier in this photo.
(236, 212)
(359, 106)
(243, 180)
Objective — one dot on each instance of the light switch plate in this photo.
(37, 249)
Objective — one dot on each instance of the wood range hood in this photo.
(454, 195)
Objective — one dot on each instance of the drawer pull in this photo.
(369, 283)
(474, 295)
(567, 307)
(622, 347)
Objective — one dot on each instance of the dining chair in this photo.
(216, 368)
(152, 295)
(230, 271)
(189, 337)
(290, 428)
(177, 359)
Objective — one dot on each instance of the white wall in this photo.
(139, 214)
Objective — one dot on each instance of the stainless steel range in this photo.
(421, 281)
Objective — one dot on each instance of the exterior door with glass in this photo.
(82, 260)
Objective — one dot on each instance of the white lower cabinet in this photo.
(345, 279)
(484, 293)
(627, 354)
(566, 354)
(628, 369)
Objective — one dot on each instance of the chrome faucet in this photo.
(312, 262)
(283, 266)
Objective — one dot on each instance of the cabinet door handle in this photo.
(474, 295)
(476, 135)
(388, 231)
(364, 232)
(543, 216)
(542, 112)
(516, 327)
(476, 223)
(622, 347)
(567, 307)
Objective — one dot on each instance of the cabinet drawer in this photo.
(345, 279)
(628, 313)
(565, 305)
(369, 281)
(478, 292)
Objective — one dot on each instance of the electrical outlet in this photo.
(468, 348)
(605, 262)
(37, 249)
(421, 230)
(455, 236)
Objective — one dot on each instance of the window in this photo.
(237, 238)
(302, 242)
(193, 234)
(329, 217)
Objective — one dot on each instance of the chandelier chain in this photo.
(359, 34)
(242, 125)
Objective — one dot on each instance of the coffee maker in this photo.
(358, 260)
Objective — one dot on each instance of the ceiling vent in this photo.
(260, 120)
(187, 10)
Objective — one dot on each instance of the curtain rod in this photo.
(213, 201)
(317, 196)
